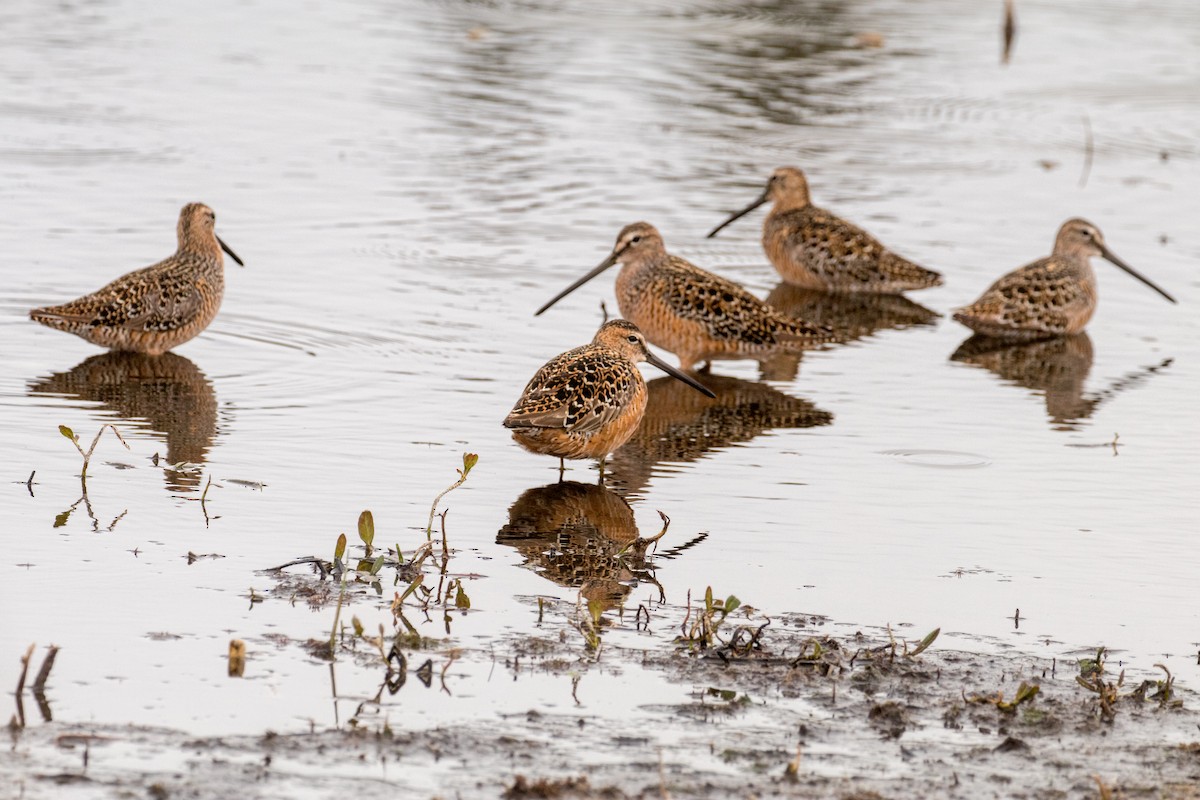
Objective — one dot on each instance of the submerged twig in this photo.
(1088, 148)
(1010, 30)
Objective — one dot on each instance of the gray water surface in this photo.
(407, 182)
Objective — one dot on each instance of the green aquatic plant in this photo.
(901, 648)
(87, 454)
(469, 462)
(702, 632)
(1025, 693)
(449, 592)
(1091, 677)
(588, 622)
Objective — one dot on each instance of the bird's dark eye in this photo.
(633, 338)
(635, 240)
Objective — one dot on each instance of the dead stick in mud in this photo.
(39, 683)
(25, 667)
(445, 544)
(21, 685)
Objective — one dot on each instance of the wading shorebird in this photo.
(1053, 296)
(695, 314)
(587, 402)
(817, 250)
(153, 309)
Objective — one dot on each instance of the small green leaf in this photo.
(708, 598)
(377, 565)
(469, 461)
(1025, 693)
(460, 598)
(366, 527)
(358, 626)
(412, 587)
(928, 640)
(596, 608)
(340, 549)
(67, 432)
(62, 518)
(731, 603)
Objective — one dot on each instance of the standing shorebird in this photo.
(587, 402)
(815, 249)
(154, 309)
(696, 315)
(1053, 296)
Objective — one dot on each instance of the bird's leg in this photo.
(562, 467)
(601, 468)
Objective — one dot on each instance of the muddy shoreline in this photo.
(784, 710)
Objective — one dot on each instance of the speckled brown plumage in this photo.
(695, 314)
(1053, 296)
(813, 248)
(586, 402)
(154, 309)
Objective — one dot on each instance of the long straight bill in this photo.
(761, 199)
(608, 262)
(1109, 256)
(677, 375)
(232, 254)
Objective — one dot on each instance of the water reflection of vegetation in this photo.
(682, 426)
(581, 536)
(71, 436)
(1056, 367)
(168, 392)
(853, 316)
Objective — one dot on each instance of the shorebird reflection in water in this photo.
(587, 402)
(581, 536)
(1057, 367)
(853, 315)
(157, 308)
(817, 250)
(680, 426)
(166, 393)
(1053, 296)
(698, 316)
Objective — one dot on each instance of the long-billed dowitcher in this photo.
(587, 402)
(817, 250)
(695, 314)
(1053, 296)
(154, 309)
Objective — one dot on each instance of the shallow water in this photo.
(405, 193)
